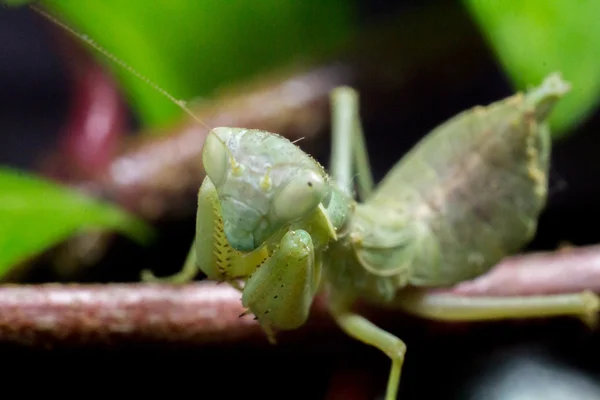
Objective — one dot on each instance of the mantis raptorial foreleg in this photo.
(185, 275)
(223, 263)
(281, 291)
(443, 306)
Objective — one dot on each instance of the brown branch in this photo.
(51, 313)
(568, 270)
(205, 312)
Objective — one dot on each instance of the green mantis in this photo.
(465, 197)
(272, 223)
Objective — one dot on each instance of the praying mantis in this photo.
(276, 226)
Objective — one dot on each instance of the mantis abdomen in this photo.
(466, 196)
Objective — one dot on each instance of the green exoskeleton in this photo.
(277, 227)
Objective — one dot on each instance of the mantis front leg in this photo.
(281, 291)
(211, 253)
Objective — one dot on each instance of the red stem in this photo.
(96, 119)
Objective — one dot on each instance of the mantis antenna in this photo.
(118, 61)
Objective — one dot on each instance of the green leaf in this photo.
(36, 214)
(535, 37)
(191, 48)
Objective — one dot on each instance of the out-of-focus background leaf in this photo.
(535, 37)
(191, 48)
(36, 214)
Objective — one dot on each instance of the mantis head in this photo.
(264, 182)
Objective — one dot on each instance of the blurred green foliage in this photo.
(535, 37)
(190, 48)
(36, 214)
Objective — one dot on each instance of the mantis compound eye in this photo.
(302, 195)
(215, 157)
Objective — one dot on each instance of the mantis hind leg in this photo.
(448, 307)
(365, 331)
(349, 151)
(187, 273)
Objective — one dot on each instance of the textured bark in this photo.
(568, 270)
(94, 314)
(208, 313)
